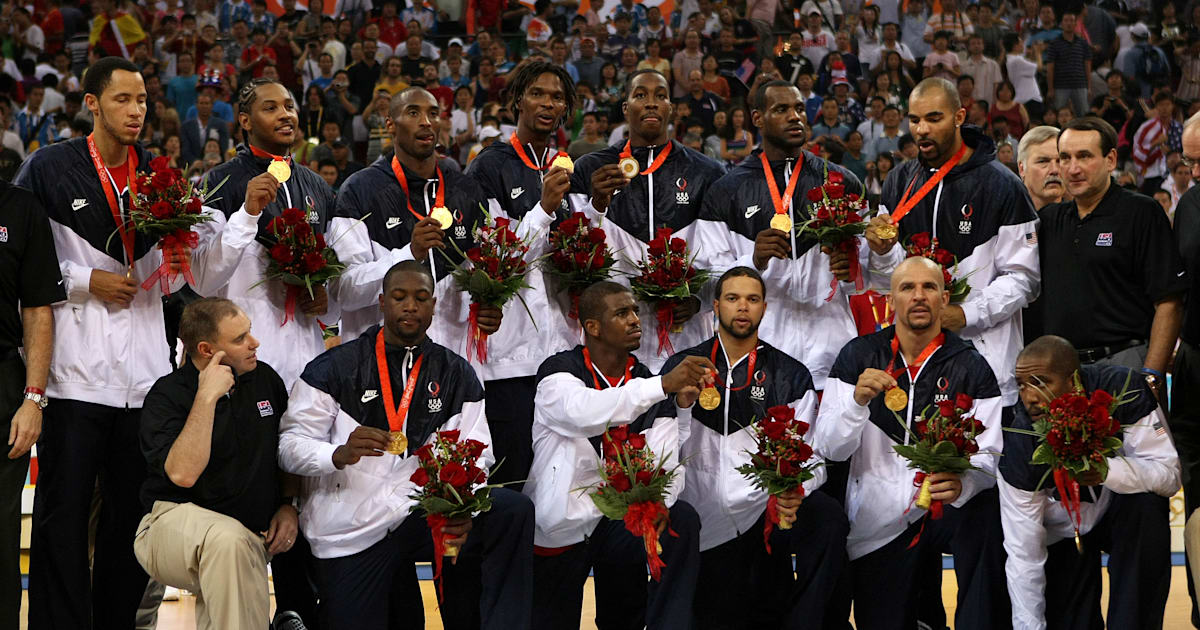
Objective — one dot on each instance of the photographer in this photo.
(340, 104)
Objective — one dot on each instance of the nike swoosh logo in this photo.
(516, 192)
(751, 211)
(369, 395)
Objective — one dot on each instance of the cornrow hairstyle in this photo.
(249, 93)
(523, 76)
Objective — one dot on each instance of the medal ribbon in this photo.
(907, 204)
(396, 417)
(439, 201)
(749, 368)
(658, 161)
(265, 155)
(920, 360)
(782, 204)
(587, 357)
(520, 149)
(110, 193)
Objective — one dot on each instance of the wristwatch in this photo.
(1153, 377)
(38, 397)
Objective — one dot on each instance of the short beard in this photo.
(728, 327)
(113, 132)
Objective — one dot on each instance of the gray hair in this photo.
(1034, 136)
(1192, 123)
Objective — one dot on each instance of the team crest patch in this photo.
(964, 225)
(943, 385)
(758, 391)
(435, 403)
(681, 197)
(1104, 239)
(3, 234)
(264, 408)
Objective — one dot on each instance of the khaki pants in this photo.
(212, 555)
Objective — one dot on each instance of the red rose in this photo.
(836, 177)
(853, 217)
(774, 429)
(453, 473)
(835, 191)
(943, 257)
(474, 448)
(637, 441)
(569, 227)
(620, 482)
(1078, 405)
(598, 261)
(618, 434)
(804, 452)
(595, 235)
(676, 267)
(475, 255)
(678, 245)
(492, 266)
(163, 179)
(922, 426)
(320, 238)
(643, 477)
(1055, 439)
(970, 448)
(293, 216)
(1115, 428)
(282, 254)
(476, 474)
(160, 163)
(781, 413)
(1100, 418)
(852, 197)
(420, 477)
(195, 205)
(1101, 397)
(815, 194)
(787, 469)
(501, 223)
(800, 426)
(823, 214)
(304, 230)
(425, 454)
(657, 247)
(160, 210)
(963, 401)
(582, 260)
(947, 279)
(313, 262)
(663, 233)
(921, 240)
(946, 408)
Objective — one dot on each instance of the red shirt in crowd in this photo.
(253, 53)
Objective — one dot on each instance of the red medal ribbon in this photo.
(749, 368)
(771, 518)
(920, 360)
(440, 199)
(782, 204)
(106, 183)
(396, 417)
(907, 204)
(520, 149)
(266, 155)
(587, 358)
(1068, 492)
(658, 161)
(476, 339)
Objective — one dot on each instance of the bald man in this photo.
(1124, 509)
(888, 534)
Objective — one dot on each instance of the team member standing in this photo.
(888, 538)
(31, 283)
(1039, 166)
(807, 323)
(522, 183)
(1114, 279)
(210, 435)
(581, 393)
(1123, 512)
(739, 585)
(979, 211)
(664, 190)
(389, 212)
(357, 515)
(112, 347)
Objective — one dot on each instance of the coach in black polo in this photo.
(1112, 279)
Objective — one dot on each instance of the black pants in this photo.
(1135, 532)
(82, 442)
(618, 562)
(742, 587)
(1185, 430)
(291, 571)
(12, 482)
(509, 407)
(887, 580)
(357, 591)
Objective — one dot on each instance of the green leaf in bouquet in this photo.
(479, 283)
(945, 449)
(292, 279)
(1112, 444)
(610, 503)
(436, 505)
(1043, 454)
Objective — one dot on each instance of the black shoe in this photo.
(288, 620)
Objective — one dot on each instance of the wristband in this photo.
(1153, 372)
(35, 390)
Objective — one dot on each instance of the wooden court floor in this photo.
(180, 615)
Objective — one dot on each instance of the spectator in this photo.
(393, 80)
(1022, 72)
(499, 54)
(942, 62)
(900, 83)
(868, 34)
(52, 99)
(428, 48)
(537, 35)
(455, 77)
(830, 12)
(737, 143)
(811, 100)
(990, 29)
(912, 29)
(1145, 63)
(791, 62)
(888, 141)
(653, 61)
(908, 148)
(287, 52)
(454, 50)
(853, 157)
(966, 87)
(588, 64)
(392, 31)
(312, 113)
(628, 60)
(1154, 139)
(364, 73)
(204, 127)
(1007, 108)
(874, 58)
(713, 141)
(608, 93)
(686, 60)
(1068, 64)
(239, 43)
(329, 43)
(702, 103)
(375, 117)
(850, 112)
(342, 105)
(884, 163)
(558, 55)
(413, 59)
(341, 157)
(872, 127)
(712, 80)
(655, 28)
(817, 41)
(444, 95)
(829, 125)
(328, 171)
(181, 90)
(260, 18)
(1178, 183)
(331, 132)
(984, 71)
(952, 21)
(1188, 59)
(257, 55)
(1113, 106)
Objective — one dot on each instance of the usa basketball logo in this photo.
(435, 403)
(758, 391)
(964, 226)
(264, 408)
(682, 197)
(3, 234)
(460, 230)
(311, 216)
(943, 385)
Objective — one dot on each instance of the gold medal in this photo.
(564, 163)
(629, 167)
(781, 222)
(886, 232)
(280, 170)
(1078, 543)
(710, 398)
(895, 399)
(442, 216)
(398, 444)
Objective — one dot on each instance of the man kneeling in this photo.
(209, 434)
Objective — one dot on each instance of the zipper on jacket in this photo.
(787, 176)
(650, 191)
(937, 202)
(912, 384)
(428, 210)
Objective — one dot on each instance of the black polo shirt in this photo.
(1187, 236)
(29, 274)
(1101, 275)
(241, 479)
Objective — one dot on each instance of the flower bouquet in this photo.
(781, 462)
(921, 244)
(1077, 434)
(665, 278)
(943, 442)
(633, 488)
(166, 206)
(579, 257)
(450, 485)
(837, 223)
(495, 276)
(300, 258)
